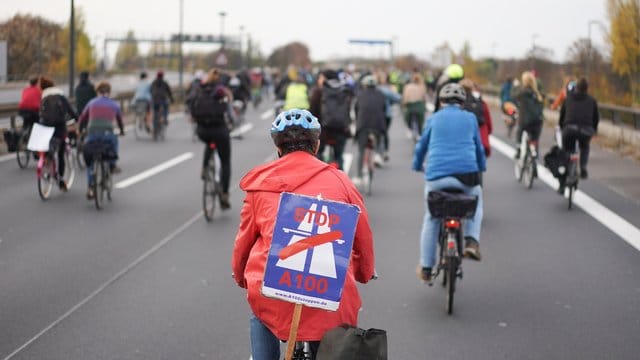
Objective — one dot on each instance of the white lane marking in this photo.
(7, 157)
(241, 130)
(614, 222)
(347, 160)
(267, 114)
(154, 170)
(119, 275)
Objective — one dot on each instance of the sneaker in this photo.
(472, 249)
(63, 185)
(90, 194)
(357, 181)
(377, 160)
(224, 201)
(115, 169)
(584, 174)
(424, 274)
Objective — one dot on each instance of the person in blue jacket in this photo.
(455, 159)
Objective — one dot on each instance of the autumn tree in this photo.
(33, 43)
(294, 53)
(624, 36)
(127, 55)
(85, 57)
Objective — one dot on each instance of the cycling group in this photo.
(96, 116)
(577, 124)
(151, 101)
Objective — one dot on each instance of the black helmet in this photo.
(452, 92)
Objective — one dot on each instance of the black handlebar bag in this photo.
(348, 342)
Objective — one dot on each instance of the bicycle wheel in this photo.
(108, 181)
(98, 182)
(209, 194)
(451, 274)
(138, 126)
(529, 172)
(22, 154)
(46, 177)
(570, 198)
(70, 168)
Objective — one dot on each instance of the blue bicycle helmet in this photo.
(302, 118)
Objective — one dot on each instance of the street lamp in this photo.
(72, 49)
(533, 49)
(222, 15)
(589, 54)
(240, 47)
(180, 54)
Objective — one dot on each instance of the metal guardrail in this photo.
(618, 115)
(124, 98)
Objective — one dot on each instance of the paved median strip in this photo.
(614, 222)
(154, 170)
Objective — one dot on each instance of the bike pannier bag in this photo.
(348, 342)
(11, 138)
(444, 204)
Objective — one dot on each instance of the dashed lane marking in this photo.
(154, 170)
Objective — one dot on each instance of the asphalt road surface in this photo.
(148, 278)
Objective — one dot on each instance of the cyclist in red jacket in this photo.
(296, 136)
(29, 106)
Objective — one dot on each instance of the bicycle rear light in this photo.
(452, 224)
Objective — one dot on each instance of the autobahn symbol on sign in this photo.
(310, 251)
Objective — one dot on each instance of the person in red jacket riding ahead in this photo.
(295, 134)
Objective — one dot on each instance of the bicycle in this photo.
(572, 177)
(159, 123)
(47, 168)
(140, 114)
(23, 155)
(368, 163)
(526, 163)
(211, 187)
(101, 157)
(451, 206)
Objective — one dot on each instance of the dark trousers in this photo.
(28, 118)
(569, 144)
(336, 140)
(219, 136)
(387, 121)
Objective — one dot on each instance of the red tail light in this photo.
(452, 224)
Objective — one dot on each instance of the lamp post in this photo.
(533, 49)
(589, 49)
(240, 47)
(222, 15)
(180, 54)
(72, 48)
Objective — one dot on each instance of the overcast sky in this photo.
(504, 28)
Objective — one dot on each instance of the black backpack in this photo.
(335, 107)
(52, 112)
(207, 109)
(474, 106)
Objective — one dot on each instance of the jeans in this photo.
(264, 345)
(164, 107)
(431, 226)
(106, 137)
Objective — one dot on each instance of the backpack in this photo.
(159, 92)
(335, 107)
(52, 112)
(206, 109)
(474, 105)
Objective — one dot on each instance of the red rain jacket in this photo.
(301, 173)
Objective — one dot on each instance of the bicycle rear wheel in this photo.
(98, 183)
(22, 154)
(570, 198)
(46, 179)
(70, 171)
(138, 126)
(209, 194)
(451, 274)
(529, 172)
(519, 168)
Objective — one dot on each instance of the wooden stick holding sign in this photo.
(293, 333)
